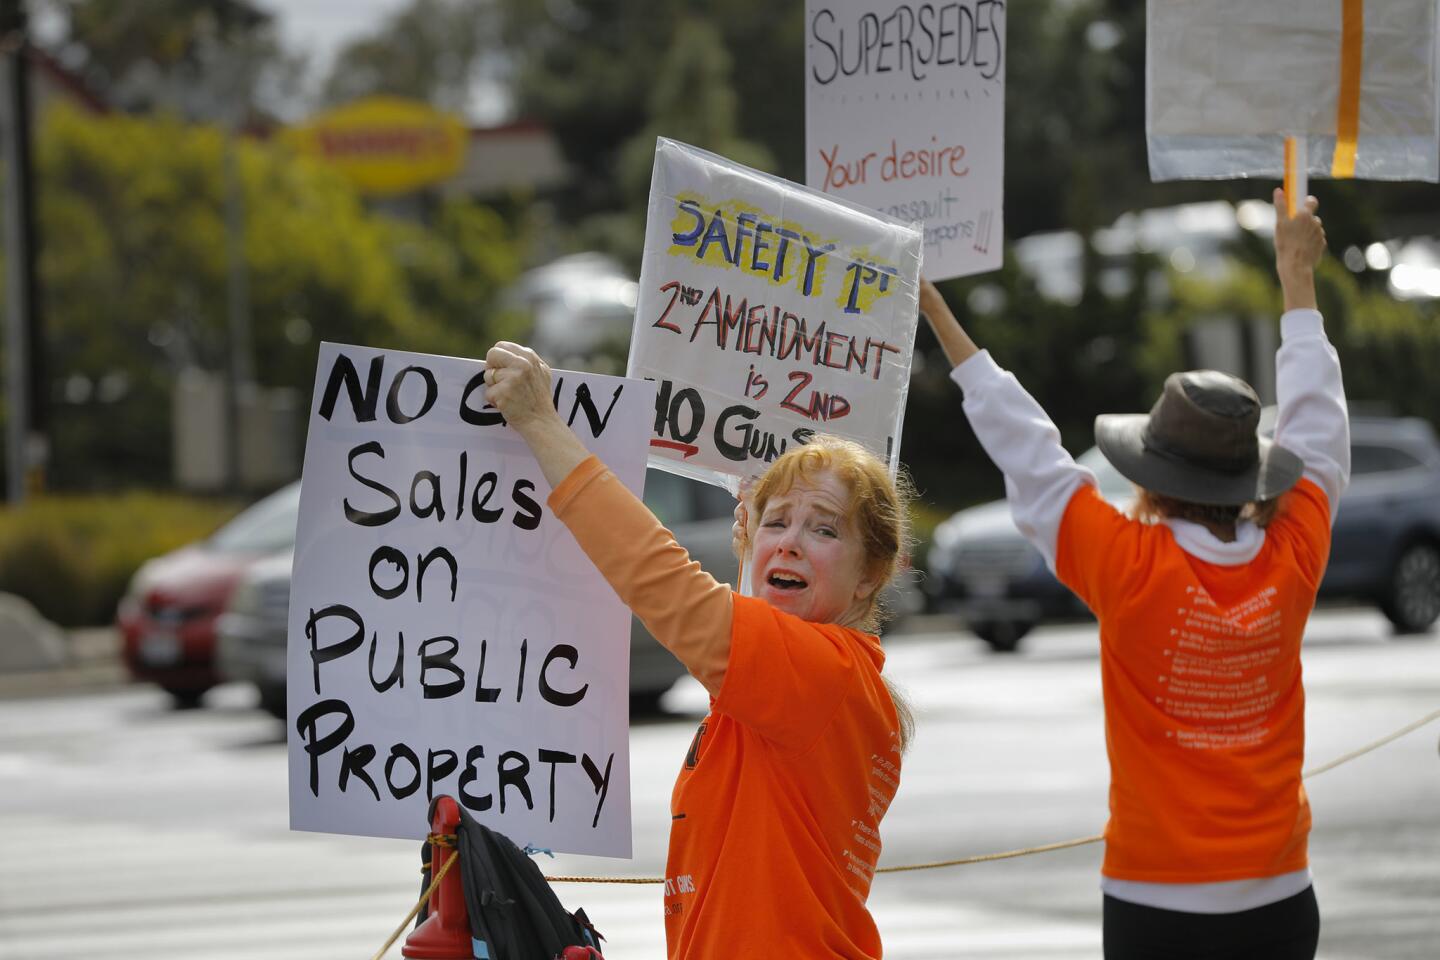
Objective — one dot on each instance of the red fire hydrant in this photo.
(445, 934)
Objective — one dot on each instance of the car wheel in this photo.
(645, 703)
(1003, 636)
(272, 700)
(1412, 601)
(186, 698)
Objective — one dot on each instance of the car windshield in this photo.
(265, 527)
(1113, 485)
(667, 497)
(677, 500)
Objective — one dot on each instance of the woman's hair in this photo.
(880, 508)
(1151, 507)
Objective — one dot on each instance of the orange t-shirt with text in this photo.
(1204, 707)
(776, 813)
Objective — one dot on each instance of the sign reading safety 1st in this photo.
(385, 145)
(768, 312)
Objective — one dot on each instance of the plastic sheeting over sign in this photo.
(1356, 82)
(768, 312)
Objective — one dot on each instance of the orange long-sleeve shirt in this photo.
(776, 812)
(1205, 711)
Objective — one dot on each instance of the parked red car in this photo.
(167, 617)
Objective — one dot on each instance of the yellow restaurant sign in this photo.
(384, 145)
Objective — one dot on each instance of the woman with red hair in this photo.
(775, 816)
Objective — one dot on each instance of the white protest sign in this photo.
(768, 312)
(446, 633)
(1355, 84)
(905, 113)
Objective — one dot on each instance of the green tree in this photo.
(431, 50)
(198, 58)
(691, 101)
(1386, 346)
(592, 70)
(137, 290)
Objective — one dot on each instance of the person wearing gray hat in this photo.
(1202, 592)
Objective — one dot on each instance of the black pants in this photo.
(1286, 930)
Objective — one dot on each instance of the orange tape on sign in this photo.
(1292, 202)
(1347, 113)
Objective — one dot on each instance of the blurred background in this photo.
(197, 192)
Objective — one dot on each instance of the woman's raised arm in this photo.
(684, 607)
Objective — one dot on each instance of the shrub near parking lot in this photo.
(72, 556)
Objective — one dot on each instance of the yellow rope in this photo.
(1051, 847)
(981, 858)
(1003, 855)
(416, 909)
(449, 840)
(1408, 728)
(605, 879)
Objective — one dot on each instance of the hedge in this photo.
(73, 556)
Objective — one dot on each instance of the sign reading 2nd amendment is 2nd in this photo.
(446, 633)
(905, 113)
(768, 312)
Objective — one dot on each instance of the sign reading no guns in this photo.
(768, 312)
(446, 633)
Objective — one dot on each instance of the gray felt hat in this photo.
(1198, 443)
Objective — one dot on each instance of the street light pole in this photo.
(24, 379)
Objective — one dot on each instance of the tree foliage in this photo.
(431, 50)
(691, 100)
(206, 59)
(140, 277)
(138, 289)
(602, 73)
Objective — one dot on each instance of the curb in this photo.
(92, 662)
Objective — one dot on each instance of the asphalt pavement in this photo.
(134, 831)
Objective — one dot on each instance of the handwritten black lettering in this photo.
(362, 401)
(334, 651)
(566, 652)
(441, 660)
(967, 35)
(370, 518)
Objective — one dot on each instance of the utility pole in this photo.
(221, 96)
(25, 380)
(239, 372)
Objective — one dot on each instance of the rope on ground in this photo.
(1063, 844)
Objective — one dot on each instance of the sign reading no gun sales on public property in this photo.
(768, 312)
(446, 633)
(905, 112)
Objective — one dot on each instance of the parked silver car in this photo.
(252, 632)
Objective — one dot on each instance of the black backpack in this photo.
(514, 915)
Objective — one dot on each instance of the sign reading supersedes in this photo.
(446, 633)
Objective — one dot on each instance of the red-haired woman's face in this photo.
(807, 552)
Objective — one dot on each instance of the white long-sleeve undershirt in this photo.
(1041, 476)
